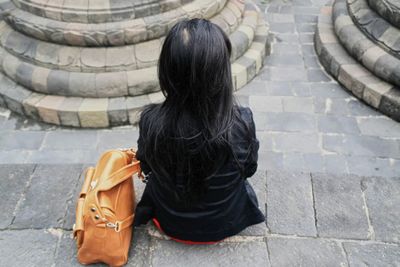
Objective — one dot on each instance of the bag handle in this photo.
(119, 176)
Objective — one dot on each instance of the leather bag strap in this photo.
(119, 176)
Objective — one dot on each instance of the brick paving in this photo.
(328, 177)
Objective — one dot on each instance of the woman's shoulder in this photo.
(147, 113)
(245, 113)
(244, 123)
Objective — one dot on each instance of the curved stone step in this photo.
(115, 33)
(97, 11)
(375, 27)
(372, 56)
(105, 112)
(109, 59)
(389, 9)
(352, 75)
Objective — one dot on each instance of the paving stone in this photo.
(372, 254)
(266, 103)
(62, 156)
(12, 140)
(317, 75)
(109, 139)
(282, 27)
(290, 203)
(361, 145)
(372, 166)
(304, 252)
(379, 126)
(293, 161)
(282, 74)
(335, 164)
(28, 247)
(289, 142)
(46, 208)
(298, 104)
(14, 179)
(331, 90)
(170, 253)
(313, 162)
(339, 206)
(284, 60)
(337, 124)
(70, 140)
(291, 122)
(270, 161)
(382, 200)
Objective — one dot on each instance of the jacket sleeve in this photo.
(140, 151)
(251, 164)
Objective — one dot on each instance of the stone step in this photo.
(122, 32)
(87, 75)
(108, 59)
(372, 56)
(375, 27)
(389, 9)
(379, 94)
(104, 112)
(97, 11)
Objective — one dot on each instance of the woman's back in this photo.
(197, 146)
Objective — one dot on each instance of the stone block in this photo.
(112, 84)
(360, 254)
(142, 81)
(82, 84)
(382, 198)
(70, 58)
(39, 79)
(68, 111)
(46, 208)
(117, 111)
(47, 53)
(240, 74)
(29, 105)
(93, 113)
(290, 204)
(305, 252)
(37, 247)
(147, 53)
(58, 82)
(93, 58)
(134, 31)
(223, 254)
(48, 107)
(14, 182)
(10, 66)
(120, 58)
(339, 207)
(338, 124)
(14, 96)
(373, 93)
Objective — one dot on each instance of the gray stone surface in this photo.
(339, 206)
(304, 252)
(290, 204)
(13, 182)
(170, 253)
(372, 254)
(44, 204)
(28, 247)
(382, 198)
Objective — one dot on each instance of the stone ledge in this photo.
(113, 111)
(114, 58)
(375, 27)
(103, 11)
(353, 76)
(387, 9)
(112, 33)
(372, 56)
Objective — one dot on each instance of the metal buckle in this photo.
(115, 226)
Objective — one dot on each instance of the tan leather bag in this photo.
(105, 209)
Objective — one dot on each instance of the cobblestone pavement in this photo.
(328, 178)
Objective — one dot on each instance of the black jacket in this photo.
(230, 204)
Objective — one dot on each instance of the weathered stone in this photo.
(372, 254)
(14, 182)
(337, 124)
(339, 207)
(29, 105)
(93, 113)
(117, 112)
(47, 108)
(120, 58)
(304, 252)
(14, 98)
(223, 254)
(82, 84)
(109, 84)
(382, 201)
(290, 204)
(68, 111)
(39, 79)
(58, 82)
(147, 53)
(46, 208)
(93, 58)
(36, 249)
(142, 81)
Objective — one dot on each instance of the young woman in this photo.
(197, 147)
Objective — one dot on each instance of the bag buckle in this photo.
(115, 226)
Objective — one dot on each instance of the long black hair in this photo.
(186, 138)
